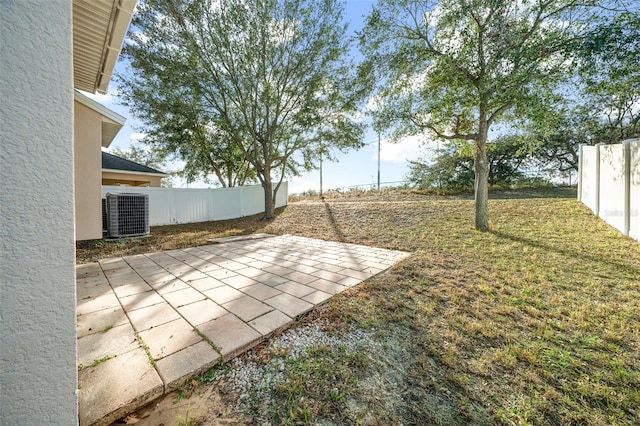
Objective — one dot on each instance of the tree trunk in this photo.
(481, 170)
(269, 201)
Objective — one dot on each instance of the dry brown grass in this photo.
(535, 322)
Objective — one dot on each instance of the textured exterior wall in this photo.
(37, 277)
(87, 139)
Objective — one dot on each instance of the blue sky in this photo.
(354, 168)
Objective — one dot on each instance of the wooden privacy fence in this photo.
(169, 206)
(609, 184)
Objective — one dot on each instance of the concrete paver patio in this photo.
(147, 323)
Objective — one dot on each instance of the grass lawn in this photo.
(535, 322)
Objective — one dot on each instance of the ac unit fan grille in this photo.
(127, 215)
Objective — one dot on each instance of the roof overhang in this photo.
(112, 122)
(99, 28)
(129, 172)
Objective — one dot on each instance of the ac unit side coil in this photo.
(127, 215)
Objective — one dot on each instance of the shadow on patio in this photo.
(149, 322)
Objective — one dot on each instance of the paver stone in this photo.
(260, 291)
(98, 303)
(169, 337)
(317, 297)
(270, 322)
(96, 322)
(116, 387)
(183, 297)
(140, 300)
(247, 308)
(223, 294)
(179, 367)
(230, 335)
(290, 305)
(152, 316)
(115, 341)
(202, 311)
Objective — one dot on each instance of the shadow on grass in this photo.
(516, 194)
(334, 224)
(240, 226)
(522, 193)
(621, 267)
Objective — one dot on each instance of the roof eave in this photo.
(99, 108)
(130, 172)
(112, 122)
(100, 27)
(121, 21)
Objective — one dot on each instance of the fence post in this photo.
(597, 210)
(627, 186)
(580, 170)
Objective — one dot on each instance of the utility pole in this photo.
(320, 175)
(321, 153)
(378, 161)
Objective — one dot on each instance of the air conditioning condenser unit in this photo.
(127, 215)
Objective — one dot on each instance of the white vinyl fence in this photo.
(169, 206)
(609, 184)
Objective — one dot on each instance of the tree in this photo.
(267, 76)
(140, 155)
(610, 78)
(557, 153)
(608, 86)
(176, 121)
(452, 168)
(147, 157)
(458, 67)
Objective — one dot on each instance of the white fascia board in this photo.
(128, 172)
(99, 108)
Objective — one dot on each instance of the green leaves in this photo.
(452, 169)
(449, 59)
(222, 84)
(456, 68)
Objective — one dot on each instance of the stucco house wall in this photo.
(41, 64)
(87, 128)
(38, 371)
(94, 127)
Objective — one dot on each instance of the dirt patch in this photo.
(207, 405)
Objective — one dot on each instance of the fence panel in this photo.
(634, 191)
(609, 182)
(253, 202)
(169, 206)
(589, 177)
(226, 203)
(612, 185)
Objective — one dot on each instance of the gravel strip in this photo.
(253, 380)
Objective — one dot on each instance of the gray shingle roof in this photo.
(113, 162)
